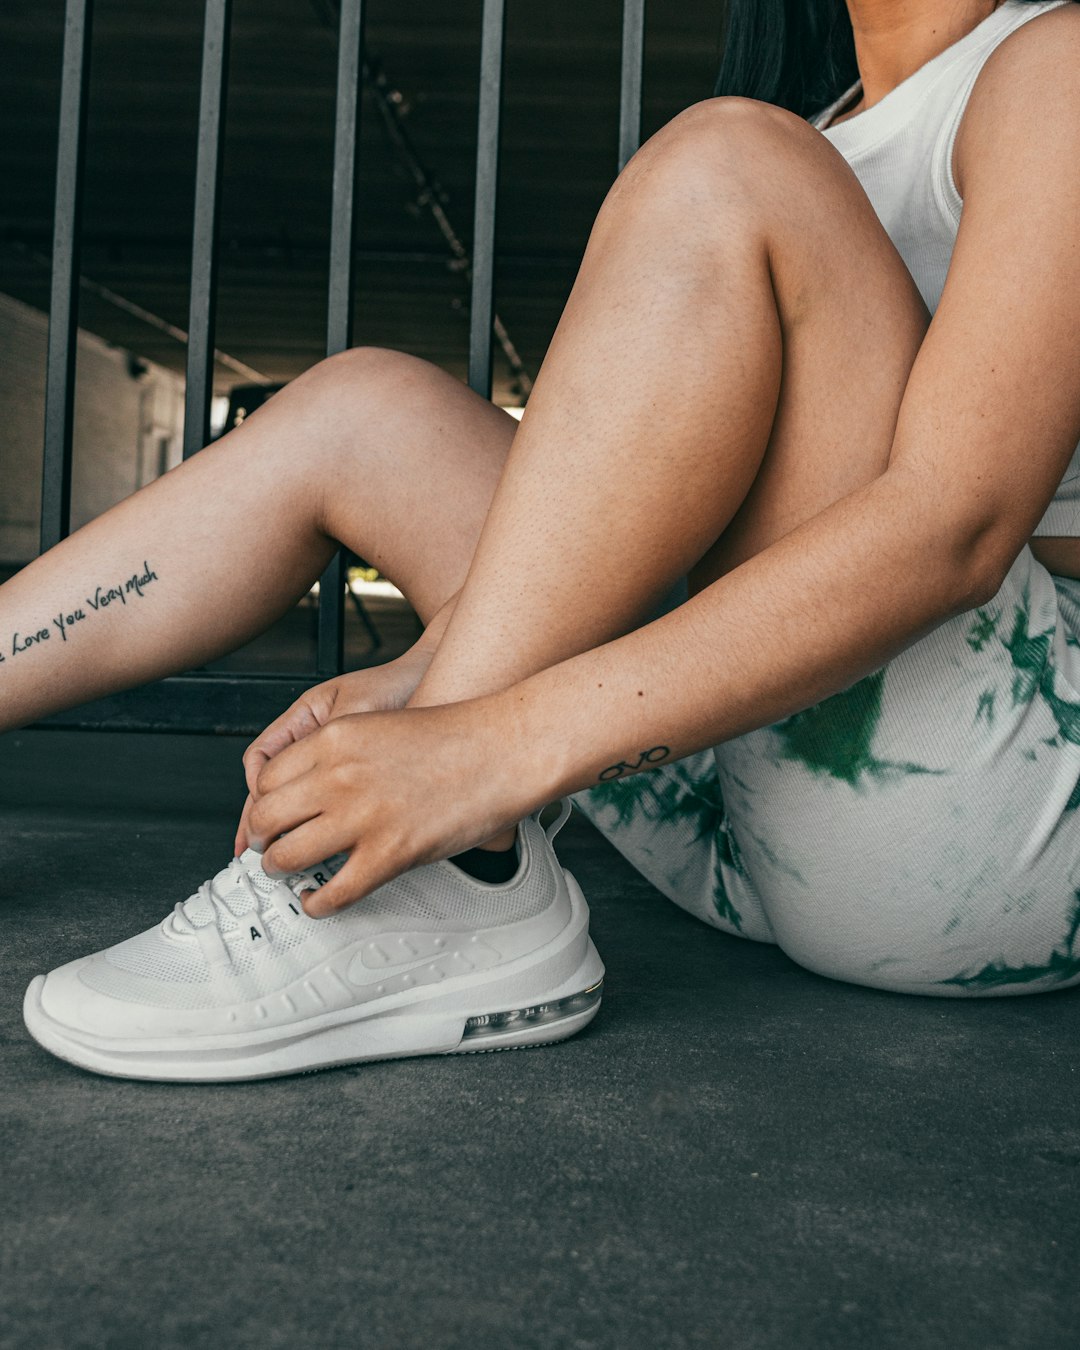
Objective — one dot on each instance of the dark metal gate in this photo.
(215, 701)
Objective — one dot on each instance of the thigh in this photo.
(673, 825)
(919, 831)
(852, 321)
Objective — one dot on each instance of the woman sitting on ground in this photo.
(858, 737)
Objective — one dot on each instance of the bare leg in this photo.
(378, 450)
(731, 361)
(773, 329)
(722, 334)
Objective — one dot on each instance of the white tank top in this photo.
(901, 151)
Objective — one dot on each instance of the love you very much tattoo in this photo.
(105, 596)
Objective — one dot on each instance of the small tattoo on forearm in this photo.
(104, 595)
(647, 758)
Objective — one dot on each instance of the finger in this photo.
(293, 725)
(254, 759)
(242, 840)
(282, 733)
(289, 764)
(361, 875)
(284, 809)
(303, 848)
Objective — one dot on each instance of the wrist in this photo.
(526, 737)
(573, 730)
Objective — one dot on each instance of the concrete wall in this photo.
(128, 426)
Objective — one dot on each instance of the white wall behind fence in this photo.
(128, 421)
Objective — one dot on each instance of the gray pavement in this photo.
(736, 1153)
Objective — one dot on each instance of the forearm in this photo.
(824, 606)
(429, 639)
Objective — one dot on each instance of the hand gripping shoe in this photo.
(238, 982)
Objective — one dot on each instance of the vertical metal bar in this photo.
(487, 179)
(64, 300)
(346, 146)
(200, 352)
(330, 655)
(330, 641)
(633, 52)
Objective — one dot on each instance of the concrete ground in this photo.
(736, 1153)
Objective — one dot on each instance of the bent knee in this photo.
(739, 161)
(370, 366)
(329, 403)
(746, 122)
(727, 143)
(366, 385)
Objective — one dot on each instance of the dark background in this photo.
(560, 118)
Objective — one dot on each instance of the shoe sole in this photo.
(540, 999)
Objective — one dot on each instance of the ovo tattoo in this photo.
(654, 756)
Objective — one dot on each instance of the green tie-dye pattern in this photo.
(1034, 673)
(1030, 654)
(1061, 966)
(835, 735)
(983, 629)
(1066, 713)
(986, 706)
(625, 796)
(675, 794)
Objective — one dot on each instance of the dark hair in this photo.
(799, 54)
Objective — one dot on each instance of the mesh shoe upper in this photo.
(168, 966)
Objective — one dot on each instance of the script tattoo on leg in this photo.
(105, 595)
(646, 759)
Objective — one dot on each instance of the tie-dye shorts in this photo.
(918, 831)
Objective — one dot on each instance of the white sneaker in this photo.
(238, 982)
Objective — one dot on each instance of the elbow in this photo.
(977, 588)
(980, 564)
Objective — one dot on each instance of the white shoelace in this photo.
(210, 904)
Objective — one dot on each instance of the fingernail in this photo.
(312, 906)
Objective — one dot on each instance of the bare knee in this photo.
(383, 448)
(361, 380)
(350, 406)
(371, 373)
(731, 157)
(741, 129)
(731, 168)
(343, 415)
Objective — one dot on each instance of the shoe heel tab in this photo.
(562, 815)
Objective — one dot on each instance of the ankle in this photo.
(499, 843)
(491, 862)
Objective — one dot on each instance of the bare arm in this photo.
(989, 419)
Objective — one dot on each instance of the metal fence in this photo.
(228, 702)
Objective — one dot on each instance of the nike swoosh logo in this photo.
(361, 974)
(383, 962)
